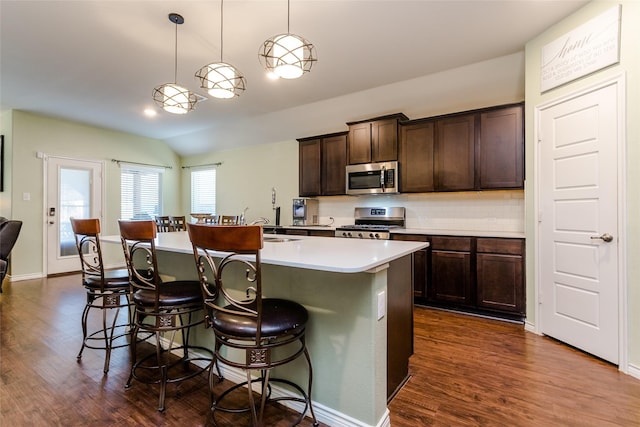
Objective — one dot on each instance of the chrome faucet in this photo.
(259, 220)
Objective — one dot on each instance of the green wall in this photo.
(630, 67)
(32, 134)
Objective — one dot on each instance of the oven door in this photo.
(372, 178)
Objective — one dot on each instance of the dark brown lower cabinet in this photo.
(500, 275)
(474, 274)
(451, 279)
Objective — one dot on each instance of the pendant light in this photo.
(170, 96)
(221, 80)
(287, 55)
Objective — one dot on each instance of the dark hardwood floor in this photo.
(466, 371)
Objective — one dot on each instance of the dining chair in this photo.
(228, 220)
(163, 223)
(177, 223)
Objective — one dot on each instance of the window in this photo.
(203, 190)
(140, 191)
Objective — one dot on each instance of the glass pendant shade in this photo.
(287, 55)
(174, 98)
(221, 80)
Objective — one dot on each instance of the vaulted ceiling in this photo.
(97, 62)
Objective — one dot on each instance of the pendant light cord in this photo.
(175, 66)
(221, 27)
(288, 15)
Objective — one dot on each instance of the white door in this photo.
(74, 189)
(578, 223)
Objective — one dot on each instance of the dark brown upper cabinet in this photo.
(416, 156)
(501, 148)
(309, 154)
(334, 163)
(454, 154)
(322, 165)
(374, 140)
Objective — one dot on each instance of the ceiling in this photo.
(97, 62)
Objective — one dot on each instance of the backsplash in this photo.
(474, 211)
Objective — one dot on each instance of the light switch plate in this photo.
(382, 304)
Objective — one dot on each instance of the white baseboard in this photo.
(634, 371)
(14, 278)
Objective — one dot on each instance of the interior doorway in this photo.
(73, 189)
(580, 233)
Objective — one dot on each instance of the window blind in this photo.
(140, 192)
(203, 190)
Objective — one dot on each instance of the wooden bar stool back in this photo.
(106, 290)
(252, 333)
(161, 308)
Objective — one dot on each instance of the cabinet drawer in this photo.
(451, 243)
(410, 237)
(500, 246)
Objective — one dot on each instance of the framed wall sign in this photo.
(590, 47)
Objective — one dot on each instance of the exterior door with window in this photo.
(74, 189)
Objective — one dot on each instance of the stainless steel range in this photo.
(373, 223)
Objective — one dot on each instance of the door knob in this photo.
(606, 237)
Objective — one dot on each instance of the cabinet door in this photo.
(309, 168)
(451, 275)
(500, 278)
(500, 282)
(334, 162)
(416, 157)
(359, 143)
(455, 153)
(502, 149)
(384, 140)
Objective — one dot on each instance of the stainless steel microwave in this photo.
(372, 178)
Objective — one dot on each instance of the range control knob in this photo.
(360, 235)
(377, 236)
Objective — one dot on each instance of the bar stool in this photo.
(251, 333)
(106, 290)
(161, 307)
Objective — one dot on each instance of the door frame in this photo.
(619, 81)
(45, 200)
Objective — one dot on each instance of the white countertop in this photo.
(315, 253)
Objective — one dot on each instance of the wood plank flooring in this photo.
(471, 371)
(466, 371)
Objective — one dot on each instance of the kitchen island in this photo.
(359, 296)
